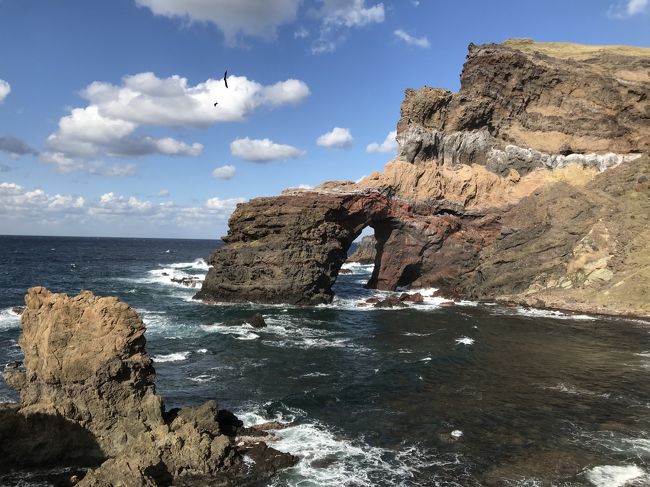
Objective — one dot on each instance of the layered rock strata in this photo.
(88, 400)
(530, 184)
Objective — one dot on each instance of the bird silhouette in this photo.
(225, 78)
(216, 103)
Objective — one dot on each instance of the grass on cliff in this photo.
(578, 52)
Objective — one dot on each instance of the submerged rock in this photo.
(256, 321)
(88, 399)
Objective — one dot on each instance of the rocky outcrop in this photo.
(88, 400)
(505, 190)
(365, 252)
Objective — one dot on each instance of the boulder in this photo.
(88, 399)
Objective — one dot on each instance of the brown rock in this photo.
(88, 398)
(508, 189)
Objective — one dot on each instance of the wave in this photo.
(357, 300)
(464, 341)
(614, 476)
(543, 313)
(357, 268)
(9, 319)
(242, 332)
(197, 264)
(330, 459)
(172, 357)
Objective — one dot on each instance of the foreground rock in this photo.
(529, 185)
(88, 400)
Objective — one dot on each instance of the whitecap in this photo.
(613, 476)
(9, 319)
(203, 378)
(549, 313)
(457, 433)
(464, 341)
(172, 357)
(202, 350)
(242, 332)
(327, 459)
(357, 268)
(198, 264)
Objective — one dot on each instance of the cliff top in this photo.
(577, 52)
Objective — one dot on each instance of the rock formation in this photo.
(365, 252)
(88, 400)
(530, 185)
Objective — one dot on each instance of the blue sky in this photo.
(107, 123)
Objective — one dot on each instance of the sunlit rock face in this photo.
(88, 400)
(494, 193)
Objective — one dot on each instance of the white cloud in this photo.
(38, 212)
(234, 17)
(301, 33)
(224, 172)
(263, 150)
(351, 13)
(107, 125)
(145, 99)
(164, 193)
(5, 89)
(338, 17)
(17, 201)
(338, 137)
(223, 204)
(627, 8)
(411, 40)
(636, 6)
(65, 164)
(388, 145)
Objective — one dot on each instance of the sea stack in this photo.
(529, 185)
(88, 400)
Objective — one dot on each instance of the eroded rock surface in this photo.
(365, 252)
(528, 185)
(88, 399)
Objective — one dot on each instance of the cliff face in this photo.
(365, 252)
(508, 189)
(88, 400)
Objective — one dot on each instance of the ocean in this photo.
(469, 395)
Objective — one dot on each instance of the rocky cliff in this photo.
(365, 252)
(529, 184)
(88, 400)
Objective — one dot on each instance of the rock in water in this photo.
(88, 378)
(528, 185)
(365, 252)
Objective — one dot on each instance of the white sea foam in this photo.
(202, 350)
(172, 357)
(465, 341)
(203, 378)
(242, 332)
(357, 268)
(328, 459)
(359, 301)
(457, 433)
(9, 319)
(197, 264)
(614, 476)
(548, 313)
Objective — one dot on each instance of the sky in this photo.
(108, 125)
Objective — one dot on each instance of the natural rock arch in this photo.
(290, 249)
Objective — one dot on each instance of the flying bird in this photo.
(225, 78)
(216, 103)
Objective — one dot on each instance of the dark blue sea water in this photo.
(469, 395)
